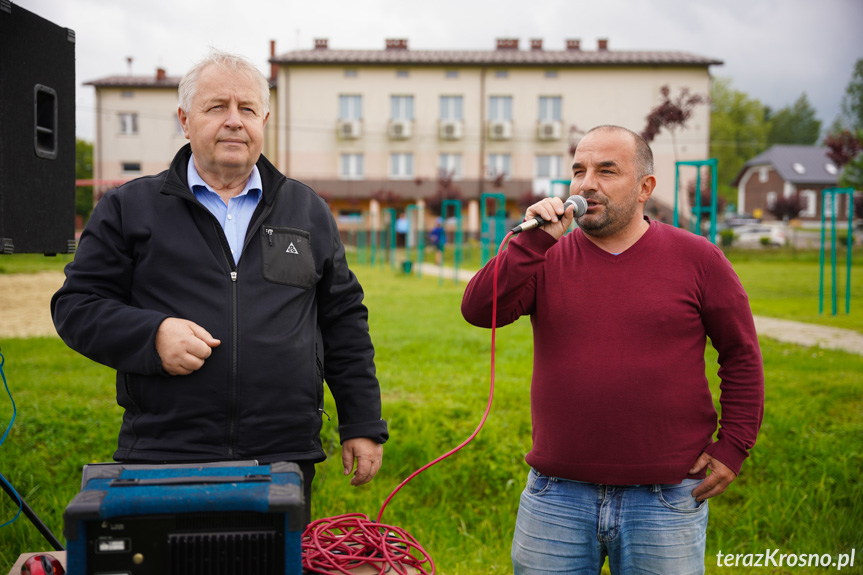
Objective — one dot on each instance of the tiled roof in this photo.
(494, 58)
(149, 81)
(796, 164)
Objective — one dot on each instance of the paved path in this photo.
(807, 334)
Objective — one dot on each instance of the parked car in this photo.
(753, 235)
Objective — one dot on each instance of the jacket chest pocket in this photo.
(287, 257)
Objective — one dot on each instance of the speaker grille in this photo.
(240, 553)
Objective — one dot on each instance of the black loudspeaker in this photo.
(37, 134)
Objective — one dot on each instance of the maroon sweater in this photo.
(619, 393)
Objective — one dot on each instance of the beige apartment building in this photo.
(370, 129)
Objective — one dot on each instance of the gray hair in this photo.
(235, 63)
(643, 153)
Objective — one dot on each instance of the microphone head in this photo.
(579, 204)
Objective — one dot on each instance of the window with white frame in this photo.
(763, 174)
(808, 201)
(350, 107)
(771, 200)
(549, 108)
(128, 123)
(549, 166)
(401, 108)
(500, 108)
(450, 166)
(351, 167)
(451, 108)
(499, 165)
(401, 166)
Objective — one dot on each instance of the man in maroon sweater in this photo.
(623, 419)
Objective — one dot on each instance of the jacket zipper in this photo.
(232, 410)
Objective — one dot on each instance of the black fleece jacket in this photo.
(288, 315)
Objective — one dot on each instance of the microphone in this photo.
(578, 202)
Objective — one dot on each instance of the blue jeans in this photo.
(571, 527)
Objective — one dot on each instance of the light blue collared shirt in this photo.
(237, 214)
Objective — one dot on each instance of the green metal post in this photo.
(391, 230)
(832, 193)
(489, 224)
(457, 240)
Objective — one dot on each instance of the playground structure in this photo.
(383, 236)
(698, 211)
(832, 193)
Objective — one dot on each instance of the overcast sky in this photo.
(773, 50)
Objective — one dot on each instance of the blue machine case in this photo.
(230, 518)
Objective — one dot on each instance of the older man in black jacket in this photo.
(220, 293)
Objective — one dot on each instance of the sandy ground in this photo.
(25, 304)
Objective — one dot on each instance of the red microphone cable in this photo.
(343, 543)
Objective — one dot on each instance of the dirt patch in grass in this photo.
(25, 304)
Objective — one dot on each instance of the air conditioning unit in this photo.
(500, 130)
(549, 131)
(349, 130)
(451, 130)
(400, 130)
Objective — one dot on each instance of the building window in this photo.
(402, 74)
(551, 73)
(808, 200)
(131, 167)
(549, 108)
(351, 167)
(450, 166)
(351, 73)
(350, 108)
(501, 73)
(401, 166)
(499, 165)
(127, 94)
(451, 74)
(500, 108)
(549, 166)
(128, 123)
(771, 200)
(451, 108)
(401, 108)
(763, 174)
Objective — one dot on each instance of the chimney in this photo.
(603, 44)
(321, 43)
(397, 44)
(274, 68)
(160, 74)
(574, 45)
(507, 43)
(536, 44)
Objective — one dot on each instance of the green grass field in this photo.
(799, 492)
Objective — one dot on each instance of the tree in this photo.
(852, 102)
(846, 135)
(671, 114)
(786, 207)
(83, 171)
(738, 132)
(796, 124)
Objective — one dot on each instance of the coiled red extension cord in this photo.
(344, 543)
